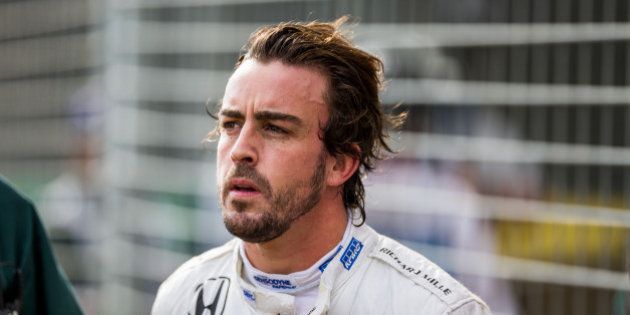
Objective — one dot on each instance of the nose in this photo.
(245, 148)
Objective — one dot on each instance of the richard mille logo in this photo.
(430, 280)
(211, 297)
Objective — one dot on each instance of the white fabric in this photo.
(371, 274)
(302, 284)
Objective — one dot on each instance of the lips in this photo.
(242, 186)
(244, 182)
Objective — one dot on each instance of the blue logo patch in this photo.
(352, 253)
(274, 283)
(249, 295)
(323, 266)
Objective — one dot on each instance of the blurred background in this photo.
(514, 170)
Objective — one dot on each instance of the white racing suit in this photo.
(370, 274)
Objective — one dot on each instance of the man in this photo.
(299, 124)
(30, 279)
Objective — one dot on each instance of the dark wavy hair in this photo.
(357, 123)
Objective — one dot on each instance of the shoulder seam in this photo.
(217, 251)
(464, 302)
(421, 271)
(206, 256)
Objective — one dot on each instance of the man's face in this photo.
(271, 162)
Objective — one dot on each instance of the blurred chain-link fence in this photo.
(514, 166)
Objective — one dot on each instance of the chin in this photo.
(241, 215)
(237, 214)
(251, 227)
(231, 205)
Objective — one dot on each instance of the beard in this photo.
(285, 204)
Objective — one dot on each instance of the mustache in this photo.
(248, 172)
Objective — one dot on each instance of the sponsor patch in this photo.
(351, 254)
(323, 266)
(211, 296)
(281, 284)
(415, 272)
(249, 295)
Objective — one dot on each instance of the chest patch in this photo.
(351, 253)
(211, 296)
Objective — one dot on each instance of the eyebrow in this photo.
(231, 113)
(267, 115)
(263, 115)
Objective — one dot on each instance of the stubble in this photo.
(285, 204)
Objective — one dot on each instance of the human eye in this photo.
(229, 125)
(275, 129)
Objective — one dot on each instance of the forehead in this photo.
(275, 86)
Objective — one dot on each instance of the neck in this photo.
(308, 239)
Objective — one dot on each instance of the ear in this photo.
(343, 167)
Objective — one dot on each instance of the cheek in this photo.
(223, 148)
(293, 164)
(223, 156)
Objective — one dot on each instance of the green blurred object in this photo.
(621, 305)
(30, 279)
